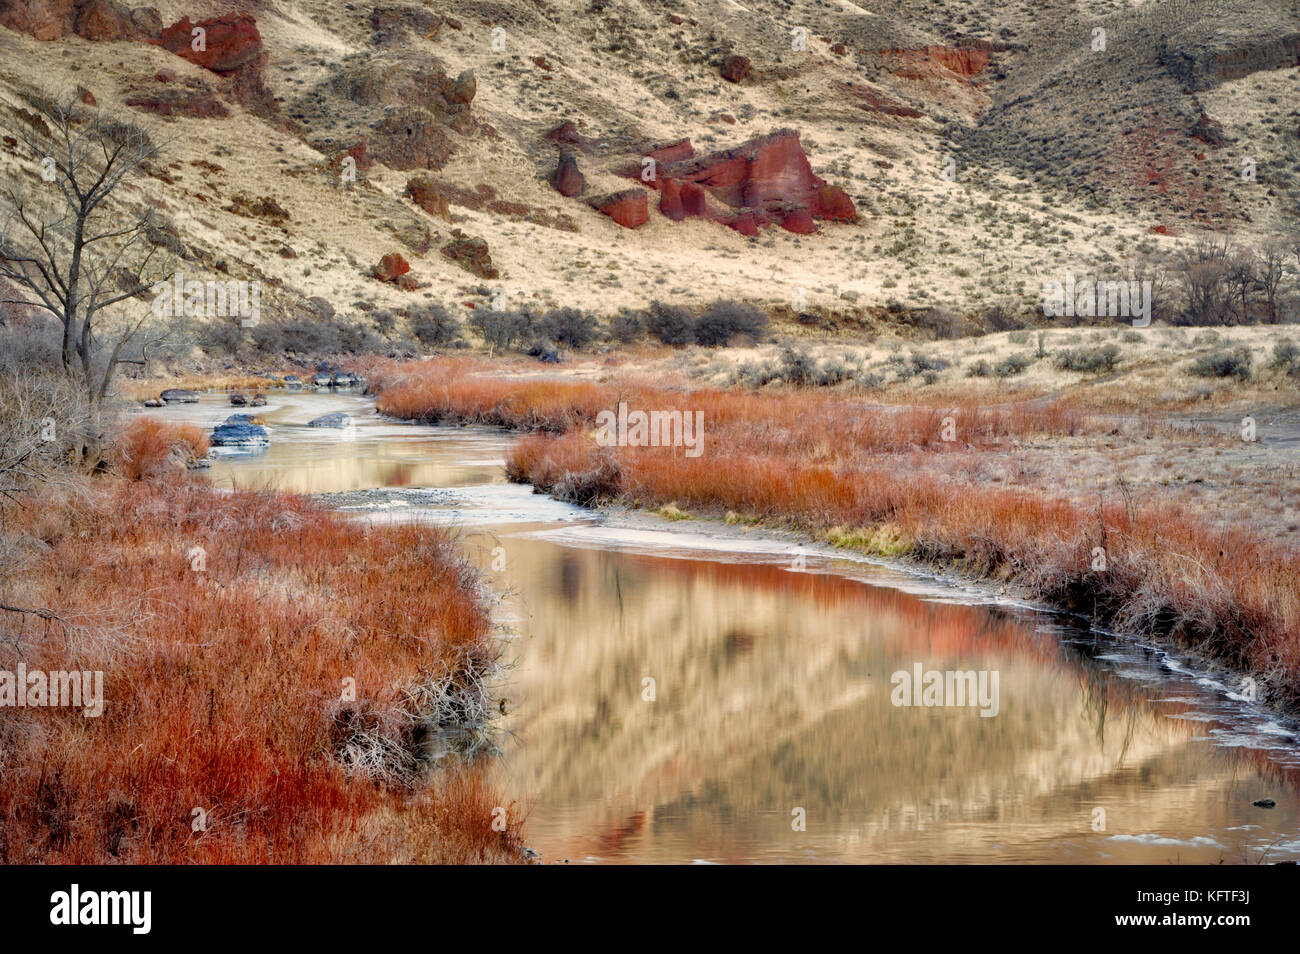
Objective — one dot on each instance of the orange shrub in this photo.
(147, 447)
(229, 628)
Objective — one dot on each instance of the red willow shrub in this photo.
(147, 447)
(228, 627)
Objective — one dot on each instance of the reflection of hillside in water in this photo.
(773, 692)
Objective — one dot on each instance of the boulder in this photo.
(390, 267)
(230, 41)
(179, 396)
(342, 379)
(257, 400)
(155, 402)
(100, 20)
(735, 67)
(292, 382)
(238, 399)
(545, 352)
(628, 208)
(94, 20)
(567, 179)
(241, 430)
(471, 254)
(322, 380)
(337, 419)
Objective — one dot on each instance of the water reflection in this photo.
(771, 692)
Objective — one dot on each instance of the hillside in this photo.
(1063, 158)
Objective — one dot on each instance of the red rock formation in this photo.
(470, 254)
(177, 101)
(768, 181)
(566, 134)
(425, 193)
(769, 178)
(103, 20)
(567, 179)
(628, 208)
(391, 267)
(229, 42)
(90, 19)
(670, 201)
(964, 61)
(735, 67)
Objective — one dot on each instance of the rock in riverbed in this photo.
(337, 419)
(179, 396)
(241, 430)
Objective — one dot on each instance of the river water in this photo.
(683, 696)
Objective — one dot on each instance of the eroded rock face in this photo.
(425, 193)
(1202, 67)
(567, 179)
(765, 181)
(230, 42)
(90, 19)
(628, 208)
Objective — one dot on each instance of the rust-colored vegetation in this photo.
(229, 628)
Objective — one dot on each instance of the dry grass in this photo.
(148, 447)
(224, 683)
(853, 473)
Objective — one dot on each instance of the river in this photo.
(682, 692)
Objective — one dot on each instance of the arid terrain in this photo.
(1004, 297)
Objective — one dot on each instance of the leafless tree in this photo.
(1205, 269)
(1272, 267)
(72, 254)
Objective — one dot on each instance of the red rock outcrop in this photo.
(230, 46)
(425, 193)
(765, 181)
(872, 102)
(628, 208)
(470, 254)
(90, 19)
(567, 179)
(229, 42)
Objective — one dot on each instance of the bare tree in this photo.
(1205, 270)
(1272, 266)
(72, 254)
(1242, 278)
